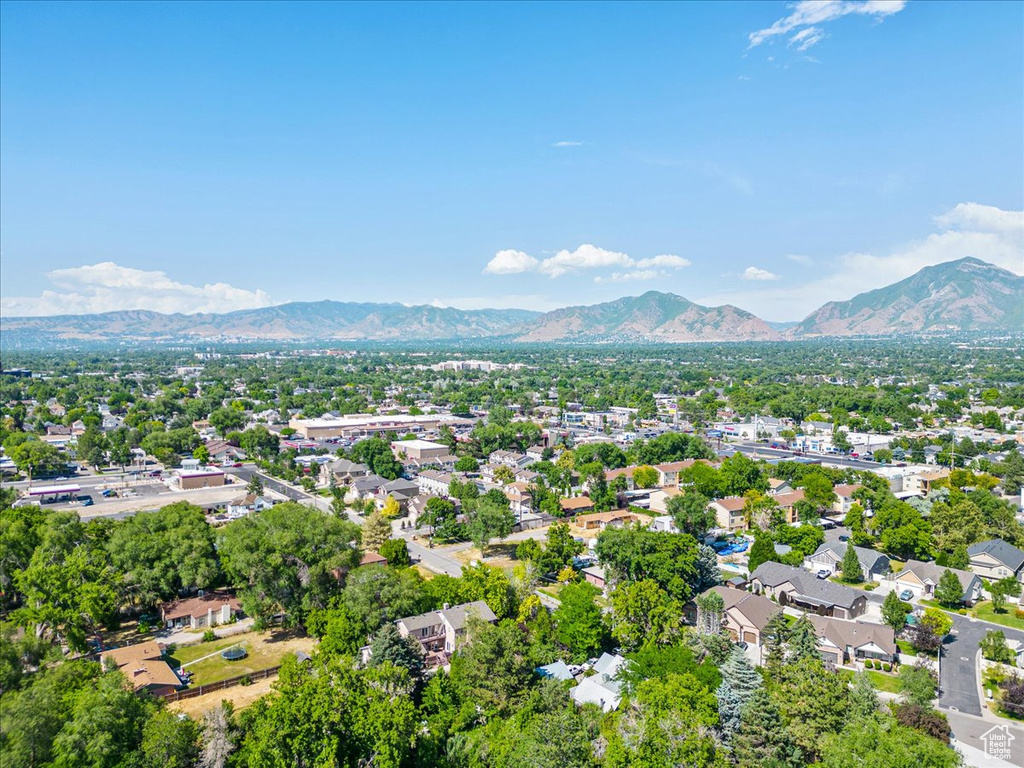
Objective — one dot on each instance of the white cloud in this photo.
(807, 38)
(970, 229)
(756, 273)
(666, 260)
(626, 277)
(510, 262)
(563, 144)
(799, 258)
(806, 17)
(587, 256)
(107, 287)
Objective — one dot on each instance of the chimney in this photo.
(446, 607)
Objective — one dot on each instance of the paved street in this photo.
(760, 450)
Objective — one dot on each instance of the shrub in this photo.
(887, 667)
(246, 680)
(209, 636)
(1018, 613)
(924, 719)
(143, 627)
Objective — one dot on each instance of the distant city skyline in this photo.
(774, 156)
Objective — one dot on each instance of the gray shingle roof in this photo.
(870, 560)
(817, 590)
(458, 615)
(1005, 553)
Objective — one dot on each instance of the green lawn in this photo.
(882, 681)
(1007, 618)
(906, 647)
(264, 650)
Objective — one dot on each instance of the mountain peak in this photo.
(967, 294)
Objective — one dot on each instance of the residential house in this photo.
(729, 514)
(206, 610)
(776, 486)
(247, 505)
(744, 616)
(602, 520)
(535, 452)
(434, 482)
(668, 473)
(787, 503)
(922, 482)
(576, 505)
(364, 488)
(841, 642)
(519, 498)
(144, 666)
(829, 557)
(442, 632)
(802, 589)
(658, 499)
(664, 524)
(509, 459)
(844, 497)
(372, 558)
(343, 471)
(816, 427)
(922, 579)
(996, 559)
(558, 670)
(626, 472)
(602, 688)
(596, 575)
(401, 490)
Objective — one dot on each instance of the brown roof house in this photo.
(144, 666)
(602, 520)
(846, 642)
(744, 616)
(207, 610)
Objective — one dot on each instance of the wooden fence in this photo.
(231, 682)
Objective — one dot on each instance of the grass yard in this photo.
(241, 696)
(265, 650)
(985, 612)
(883, 682)
(499, 555)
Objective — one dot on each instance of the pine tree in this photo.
(739, 681)
(949, 591)
(851, 570)
(376, 530)
(893, 612)
(389, 646)
(863, 698)
(762, 738)
(774, 637)
(802, 641)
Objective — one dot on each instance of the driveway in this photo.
(958, 673)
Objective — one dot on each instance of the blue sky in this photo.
(216, 156)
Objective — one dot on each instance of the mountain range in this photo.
(964, 295)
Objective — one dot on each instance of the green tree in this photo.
(645, 477)
(739, 683)
(949, 591)
(287, 560)
(850, 569)
(875, 743)
(489, 520)
(396, 552)
(762, 551)
(642, 612)
(894, 612)
(578, 620)
(68, 588)
(170, 740)
(467, 464)
(164, 553)
(691, 514)
(802, 642)
(994, 648)
(493, 671)
(389, 647)
(918, 684)
(812, 703)
(762, 738)
(634, 553)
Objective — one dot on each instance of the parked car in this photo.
(843, 537)
(823, 574)
(906, 595)
(86, 501)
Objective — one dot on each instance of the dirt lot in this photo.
(241, 696)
